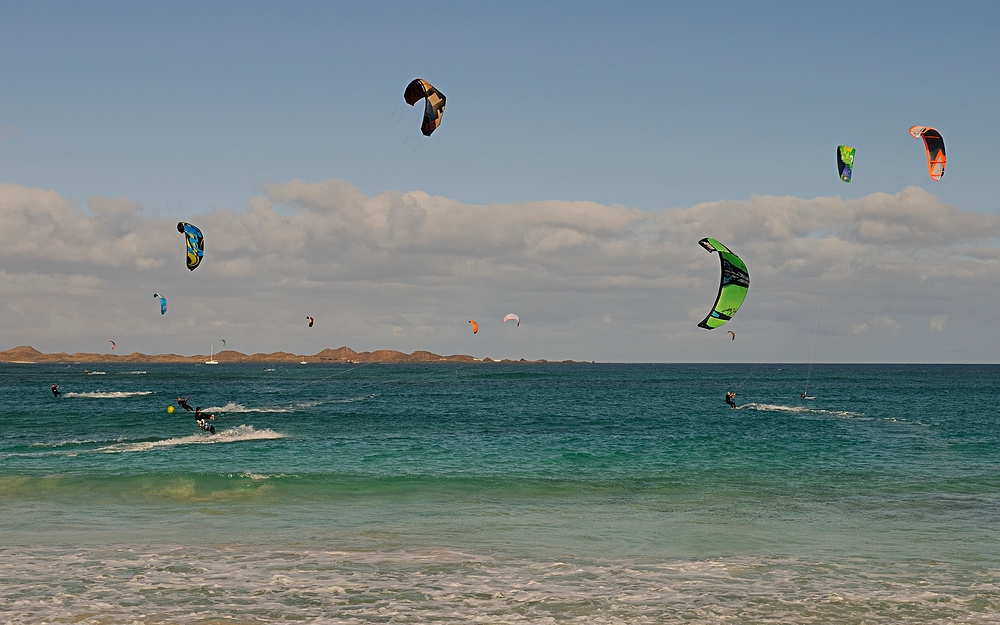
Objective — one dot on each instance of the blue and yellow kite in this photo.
(195, 244)
(845, 162)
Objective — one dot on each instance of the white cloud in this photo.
(407, 270)
(938, 322)
(881, 324)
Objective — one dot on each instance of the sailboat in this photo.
(211, 359)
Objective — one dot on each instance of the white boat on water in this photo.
(211, 359)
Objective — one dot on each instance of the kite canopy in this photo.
(112, 345)
(934, 143)
(163, 303)
(512, 317)
(195, 244)
(310, 320)
(475, 326)
(734, 335)
(845, 162)
(223, 342)
(732, 289)
(433, 106)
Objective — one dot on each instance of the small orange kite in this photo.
(934, 143)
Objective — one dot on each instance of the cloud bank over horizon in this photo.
(887, 277)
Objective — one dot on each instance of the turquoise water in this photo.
(501, 494)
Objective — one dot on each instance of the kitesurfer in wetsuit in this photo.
(55, 390)
(202, 420)
(730, 397)
(183, 403)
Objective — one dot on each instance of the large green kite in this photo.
(733, 288)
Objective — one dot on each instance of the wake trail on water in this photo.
(108, 394)
(231, 435)
(235, 408)
(798, 409)
(351, 400)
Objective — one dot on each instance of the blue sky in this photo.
(190, 108)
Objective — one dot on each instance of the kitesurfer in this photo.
(202, 420)
(55, 390)
(183, 403)
(730, 397)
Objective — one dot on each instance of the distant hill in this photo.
(28, 354)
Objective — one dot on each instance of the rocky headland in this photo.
(346, 355)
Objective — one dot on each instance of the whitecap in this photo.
(258, 476)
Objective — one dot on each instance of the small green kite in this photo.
(845, 162)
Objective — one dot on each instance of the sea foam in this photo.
(205, 583)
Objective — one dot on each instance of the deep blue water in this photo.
(501, 493)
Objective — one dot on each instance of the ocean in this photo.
(494, 493)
